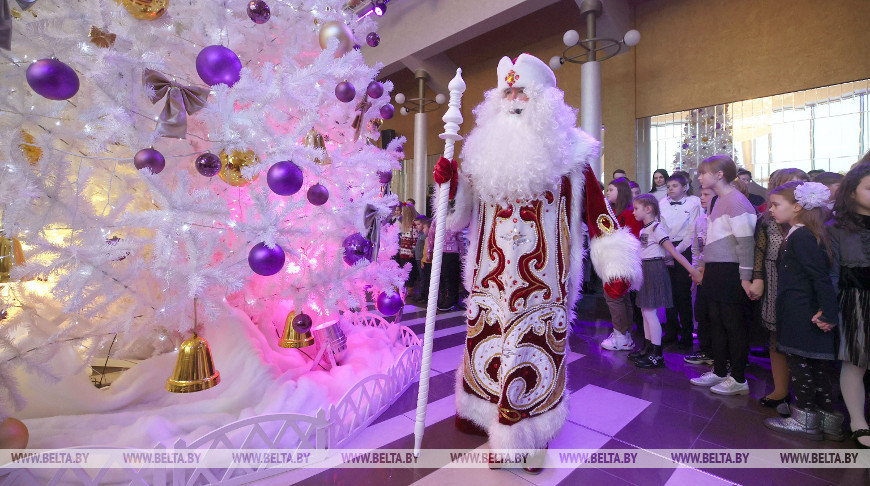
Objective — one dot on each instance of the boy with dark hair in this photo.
(619, 173)
(678, 214)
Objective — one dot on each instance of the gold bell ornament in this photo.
(11, 255)
(232, 164)
(292, 337)
(194, 369)
(145, 9)
(314, 139)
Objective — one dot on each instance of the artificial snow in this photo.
(257, 377)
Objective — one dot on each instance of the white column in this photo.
(421, 170)
(590, 106)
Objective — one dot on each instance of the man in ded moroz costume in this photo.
(528, 196)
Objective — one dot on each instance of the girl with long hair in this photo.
(850, 236)
(806, 310)
(769, 236)
(726, 270)
(407, 242)
(618, 195)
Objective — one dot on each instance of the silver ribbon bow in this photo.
(180, 102)
(5, 26)
(373, 229)
(6, 21)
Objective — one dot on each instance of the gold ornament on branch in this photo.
(31, 151)
(375, 124)
(11, 255)
(145, 9)
(232, 164)
(340, 31)
(194, 369)
(313, 139)
(101, 38)
(292, 338)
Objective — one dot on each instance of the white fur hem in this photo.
(472, 407)
(463, 204)
(617, 255)
(529, 433)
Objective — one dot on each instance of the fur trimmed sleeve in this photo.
(460, 216)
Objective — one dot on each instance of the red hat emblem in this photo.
(512, 77)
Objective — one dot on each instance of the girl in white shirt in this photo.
(655, 291)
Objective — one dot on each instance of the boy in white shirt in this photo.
(678, 215)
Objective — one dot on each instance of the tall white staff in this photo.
(452, 119)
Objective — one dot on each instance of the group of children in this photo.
(803, 253)
(416, 242)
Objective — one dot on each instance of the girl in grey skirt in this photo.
(656, 289)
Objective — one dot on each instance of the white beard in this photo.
(510, 156)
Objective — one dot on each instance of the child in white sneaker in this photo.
(619, 197)
(726, 271)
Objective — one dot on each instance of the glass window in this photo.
(824, 128)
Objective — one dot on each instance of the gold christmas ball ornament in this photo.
(13, 434)
(31, 151)
(340, 31)
(145, 9)
(232, 164)
(375, 124)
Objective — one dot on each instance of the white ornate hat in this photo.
(525, 70)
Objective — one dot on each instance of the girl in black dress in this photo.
(806, 310)
(850, 235)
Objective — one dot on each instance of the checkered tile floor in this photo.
(613, 406)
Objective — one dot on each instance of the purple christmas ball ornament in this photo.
(389, 304)
(52, 79)
(387, 111)
(356, 248)
(218, 65)
(258, 11)
(208, 164)
(385, 176)
(318, 195)
(302, 323)
(284, 178)
(375, 89)
(266, 261)
(373, 39)
(345, 92)
(149, 159)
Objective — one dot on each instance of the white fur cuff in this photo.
(481, 412)
(617, 255)
(529, 433)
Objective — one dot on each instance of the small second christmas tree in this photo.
(706, 132)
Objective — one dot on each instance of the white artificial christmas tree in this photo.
(706, 132)
(112, 251)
